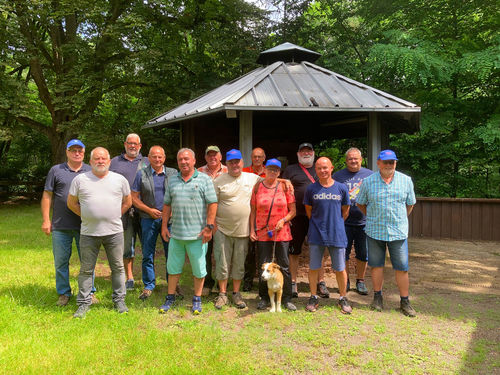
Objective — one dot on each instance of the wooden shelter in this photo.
(287, 101)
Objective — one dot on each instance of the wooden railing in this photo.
(456, 218)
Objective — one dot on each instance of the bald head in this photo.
(324, 169)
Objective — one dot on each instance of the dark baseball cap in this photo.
(302, 145)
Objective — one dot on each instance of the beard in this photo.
(100, 169)
(306, 161)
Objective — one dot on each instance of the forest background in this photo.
(100, 69)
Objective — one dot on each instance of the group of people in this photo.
(238, 217)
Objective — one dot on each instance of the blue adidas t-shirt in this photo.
(353, 182)
(326, 226)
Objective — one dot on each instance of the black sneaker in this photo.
(290, 306)
(247, 286)
(81, 311)
(323, 291)
(121, 307)
(345, 308)
(378, 302)
(295, 294)
(263, 304)
(361, 288)
(407, 309)
(313, 304)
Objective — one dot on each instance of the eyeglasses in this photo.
(76, 150)
(133, 143)
(389, 162)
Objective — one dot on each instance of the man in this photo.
(387, 199)
(127, 164)
(148, 191)
(191, 201)
(327, 206)
(65, 225)
(352, 176)
(302, 175)
(214, 168)
(257, 167)
(234, 190)
(100, 198)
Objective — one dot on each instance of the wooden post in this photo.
(187, 135)
(374, 140)
(246, 136)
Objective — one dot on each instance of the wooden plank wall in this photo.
(456, 218)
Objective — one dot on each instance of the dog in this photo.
(272, 274)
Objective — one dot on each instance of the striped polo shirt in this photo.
(386, 217)
(189, 200)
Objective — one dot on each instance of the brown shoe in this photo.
(238, 300)
(95, 301)
(63, 300)
(146, 293)
(220, 301)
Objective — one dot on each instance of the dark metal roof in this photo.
(287, 52)
(288, 87)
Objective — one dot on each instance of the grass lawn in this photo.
(456, 331)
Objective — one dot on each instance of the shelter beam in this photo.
(246, 126)
(378, 139)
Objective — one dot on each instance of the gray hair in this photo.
(133, 135)
(185, 149)
(98, 149)
(354, 149)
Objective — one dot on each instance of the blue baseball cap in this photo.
(233, 154)
(273, 163)
(75, 142)
(387, 155)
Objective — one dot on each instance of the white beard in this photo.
(306, 161)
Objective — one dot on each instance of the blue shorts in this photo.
(398, 251)
(196, 251)
(356, 236)
(337, 255)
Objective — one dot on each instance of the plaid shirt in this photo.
(213, 176)
(386, 215)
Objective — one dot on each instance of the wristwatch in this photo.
(210, 226)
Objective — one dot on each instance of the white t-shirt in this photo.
(233, 210)
(100, 202)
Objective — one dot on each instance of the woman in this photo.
(272, 210)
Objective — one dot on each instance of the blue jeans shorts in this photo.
(398, 251)
(337, 255)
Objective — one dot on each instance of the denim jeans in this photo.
(151, 228)
(90, 245)
(62, 242)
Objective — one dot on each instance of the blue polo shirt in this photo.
(326, 226)
(58, 182)
(386, 215)
(128, 168)
(353, 182)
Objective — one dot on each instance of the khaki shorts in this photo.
(229, 254)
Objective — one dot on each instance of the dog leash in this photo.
(271, 234)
